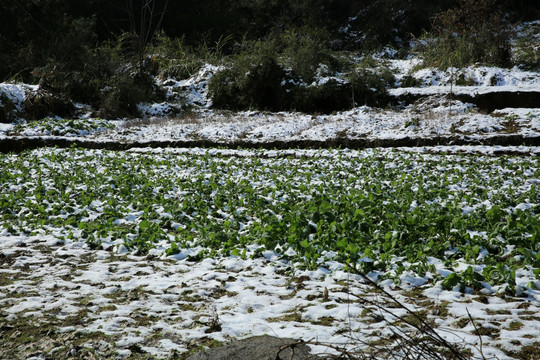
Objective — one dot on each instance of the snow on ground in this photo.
(159, 307)
(492, 78)
(16, 93)
(192, 91)
(431, 115)
(463, 90)
(117, 304)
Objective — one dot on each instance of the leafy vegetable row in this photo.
(459, 220)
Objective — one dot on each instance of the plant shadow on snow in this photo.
(408, 334)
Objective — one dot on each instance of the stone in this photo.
(257, 348)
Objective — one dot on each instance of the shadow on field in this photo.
(16, 145)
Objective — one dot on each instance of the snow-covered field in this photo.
(73, 221)
(74, 281)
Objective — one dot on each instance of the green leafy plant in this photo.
(397, 213)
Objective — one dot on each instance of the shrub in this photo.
(6, 108)
(370, 87)
(37, 32)
(253, 80)
(527, 55)
(43, 104)
(179, 69)
(304, 49)
(526, 50)
(122, 94)
(269, 87)
(327, 97)
(474, 32)
(110, 79)
(174, 58)
(381, 23)
(410, 81)
(258, 86)
(463, 80)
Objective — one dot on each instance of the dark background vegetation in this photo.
(105, 52)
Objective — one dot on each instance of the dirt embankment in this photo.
(16, 145)
(486, 102)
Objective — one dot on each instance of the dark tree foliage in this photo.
(394, 22)
(474, 31)
(78, 48)
(33, 33)
(253, 18)
(523, 10)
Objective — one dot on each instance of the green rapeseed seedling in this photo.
(396, 212)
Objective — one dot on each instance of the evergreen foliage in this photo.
(253, 80)
(475, 31)
(105, 52)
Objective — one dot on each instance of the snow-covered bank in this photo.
(429, 115)
(432, 118)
